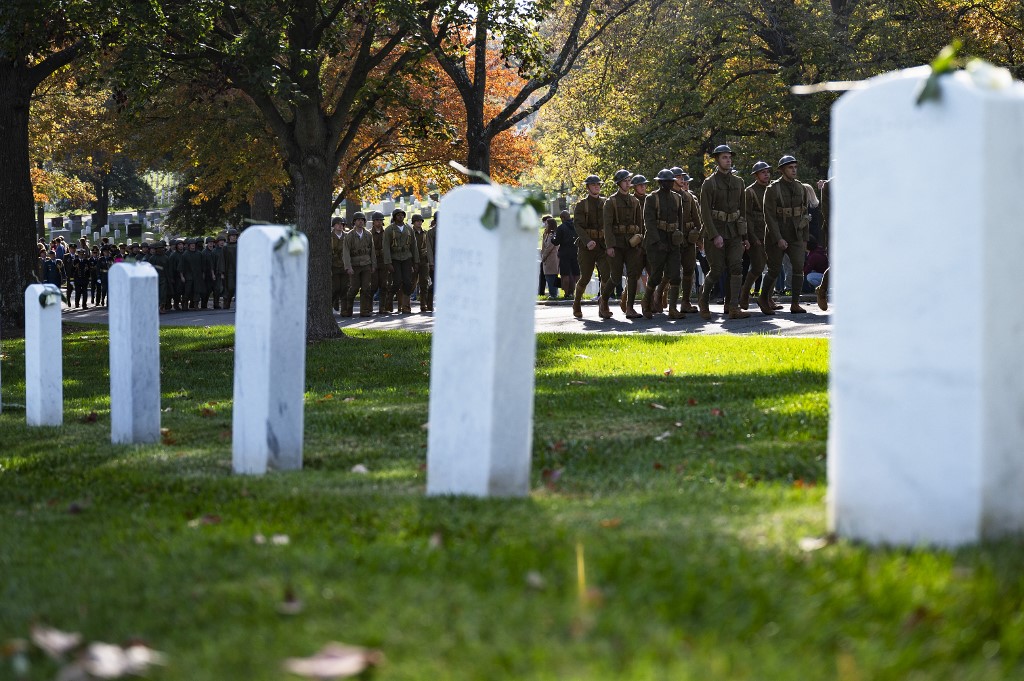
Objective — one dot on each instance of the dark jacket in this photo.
(565, 238)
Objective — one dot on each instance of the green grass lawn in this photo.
(687, 518)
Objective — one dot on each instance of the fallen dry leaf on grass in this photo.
(360, 468)
(334, 661)
(206, 412)
(436, 541)
(349, 399)
(208, 519)
(107, 661)
(611, 523)
(663, 436)
(655, 405)
(583, 356)
(551, 476)
(692, 402)
(535, 580)
(54, 642)
(815, 543)
(668, 372)
(715, 411)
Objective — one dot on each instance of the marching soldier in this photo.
(422, 271)
(692, 228)
(103, 266)
(788, 226)
(592, 249)
(360, 262)
(159, 262)
(639, 184)
(431, 251)
(339, 280)
(218, 276)
(623, 218)
(83, 273)
(380, 282)
(663, 235)
(192, 268)
(754, 197)
(401, 256)
(209, 272)
(227, 266)
(725, 232)
(176, 274)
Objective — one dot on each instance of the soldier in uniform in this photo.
(175, 274)
(359, 260)
(209, 272)
(94, 268)
(401, 256)
(69, 271)
(754, 197)
(725, 232)
(639, 184)
(663, 235)
(103, 266)
(159, 262)
(218, 276)
(83, 273)
(587, 221)
(339, 280)
(431, 251)
(825, 187)
(192, 268)
(421, 271)
(380, 282)
(692, 228)
(788, 226)
(623, 237)
(227, 266)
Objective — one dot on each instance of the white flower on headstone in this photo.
(988, 76)
(50, 296)
(296, 245)
(528, 218)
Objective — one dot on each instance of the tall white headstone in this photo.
(926, 440)
(44, 378)
(117, 234)
(134, 354)
(482, 355)
(270, 350)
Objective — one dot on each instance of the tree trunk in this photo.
(261, 208)
(312, 179)
(18, 257)
(478, 143)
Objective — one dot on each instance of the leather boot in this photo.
(602, 308)
(577, 304)
(630, 300)
(764, 301)
(622, 301)
(673, 301)
(406, 303)
(797, 283)
(745, 291)
(702, 302)
(822, 292)
(684, 295)
(736, 312)
(658, 302)
(645, 304)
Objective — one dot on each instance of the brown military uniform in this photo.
(623, 219)
(402, 253)
(688, 249)
(431, 240)
(663, 235)
(723, 213)
(423, 271)
(380, 280)
(754, 198)
(339, 278)
(359, 256)
(587, 220)
(785, 213)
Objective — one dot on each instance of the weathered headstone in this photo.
(117, 234)
(76, 223)
(66, 233)
(57, 222)
(44, 385)
(386, 207)
(481, 386)
(104, 230)
(426, 212)
(926, 429)
(135, 230)
(270, 350)
(134, 354)
(95, 236)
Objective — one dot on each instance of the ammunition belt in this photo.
(666, 226)
(691, 225)
(595, 234)
(627, 229)
(725, 217)
(790, 212)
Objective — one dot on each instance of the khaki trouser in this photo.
(633, 259)
(422, 281)
(588, 259)
(797, 252)
(662, 260)
(361, 281)
(339, 286)
(728, 258)
(402, 277)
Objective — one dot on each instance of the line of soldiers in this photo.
(389, 263)
(661, 232)
(195, 272)
(83, 271)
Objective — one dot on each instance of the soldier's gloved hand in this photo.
(719, 242)
(591, 245)
(610, 252)
(350, 272)
(783, 244)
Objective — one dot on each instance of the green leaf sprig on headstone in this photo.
(530, 203)
(947, 61)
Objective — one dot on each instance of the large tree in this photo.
(37, 39)
(315, 70)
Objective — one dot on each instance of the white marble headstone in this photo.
(270, 350)
(44, 374)
(134, 354)
(482, 353)
(926, 435)
(117, 234)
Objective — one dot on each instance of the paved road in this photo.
(551, 317)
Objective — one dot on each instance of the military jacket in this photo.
(587, 220)
(226, 262)
(620, 223)
(357, 251)
(337, 248)
(421, 243)
(692, 224)
(754, 197)
(663, 211)
(400, 244)
(785, 211)
(431, 245)
(209, 263)
(721, 206)
(378, 246)
(192, 265)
